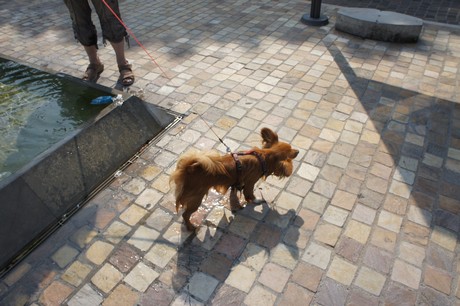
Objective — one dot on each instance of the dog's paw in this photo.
(257, 202)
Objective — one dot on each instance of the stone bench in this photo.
(379, 25)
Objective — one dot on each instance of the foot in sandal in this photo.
(126, 74)
(92, 73)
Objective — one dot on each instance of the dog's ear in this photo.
(269, 138)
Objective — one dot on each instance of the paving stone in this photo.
(254, 256)
(76, 273)
(274, 277)
(307, 276)
(296, 237)
(357, 231)
(107, 278)
(406, 274)
(158, 294)
(327, 233)
(55, 293)
(384, 239)
(227, 295)
(64, 255)
(331, 293)
(308, 172)
(307, 219)
(133, 214)
(412, 253)
(395, 204)
(116, 232)
(349, 248)
(370, 280)
(429, 296)
(397, 294)
(341, 271)
(17, 273)
(415, 233)
(99, 251)
(143, 238)
(400, 189)
(202, 285)
(243, 226)
(295, 295)
(378, 259)
(121, 295)
(185, 298)
(176, 234)
(84, 236)
(266, 235)
(358, 298)
(317, 255)
(217, 266)
(315, 202)
(390, 221)
(439, 257)
(124, 258)
(259, 296)
(444, 238)
(148, 198)
(364, 214)
(335, 215)
(241, 278)
(141, 276)
(419, 216)
(344, 199)
(86, 296)
(285, 256)
(438, 279)
(324, 188)
(160, 254)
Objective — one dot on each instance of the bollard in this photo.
(315, 18)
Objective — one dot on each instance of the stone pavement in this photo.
(370, 216)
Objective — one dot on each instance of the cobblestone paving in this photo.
(369, 217)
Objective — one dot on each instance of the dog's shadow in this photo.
(250, 237)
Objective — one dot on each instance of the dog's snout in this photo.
(295, 153)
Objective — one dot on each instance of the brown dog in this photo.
(196, 173)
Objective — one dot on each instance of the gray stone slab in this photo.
(379, 25)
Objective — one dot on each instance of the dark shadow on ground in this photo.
(223, 242)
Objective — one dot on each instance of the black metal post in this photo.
(315, 18)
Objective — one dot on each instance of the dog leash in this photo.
(210, 128)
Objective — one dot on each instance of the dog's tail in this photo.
(189, 166)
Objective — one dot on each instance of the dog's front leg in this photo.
(234, 201)
(249, 196)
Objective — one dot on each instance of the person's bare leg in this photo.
(92, 55)
(126, 73)
(95, 66)
(119, 49)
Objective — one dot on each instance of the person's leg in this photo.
(85, 33)
(119, 49)
(93, 56)
(114, 31)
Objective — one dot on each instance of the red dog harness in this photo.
(239, 166)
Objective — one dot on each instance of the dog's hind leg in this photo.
(193, 203)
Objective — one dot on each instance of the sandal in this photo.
(92, 73)
(126, 75)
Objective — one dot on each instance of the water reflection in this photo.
(38, 109)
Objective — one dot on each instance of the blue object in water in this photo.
(107, 99)
(102, 100)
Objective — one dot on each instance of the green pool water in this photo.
(37, 110)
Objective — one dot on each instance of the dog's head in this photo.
(281, 153)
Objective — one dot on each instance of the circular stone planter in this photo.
(379, 25)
